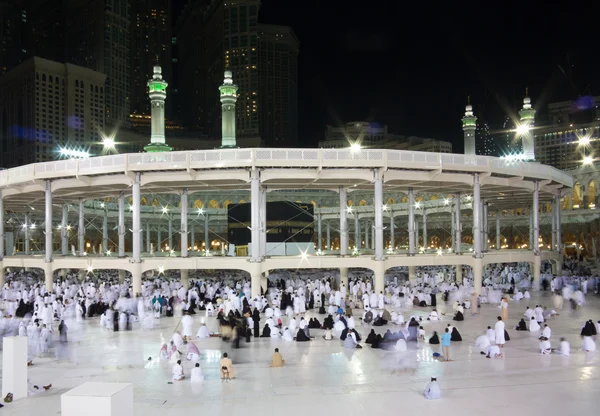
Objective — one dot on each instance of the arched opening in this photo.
(199, 204)
(577, 196)
(390, 201)
(155, 202)
(565, 202)
(433, 198)
(362, 203)
(213, 204)
(591, 200)
(350, 203)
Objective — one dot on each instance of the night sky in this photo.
(411, 65)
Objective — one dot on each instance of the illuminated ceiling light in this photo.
(439, 252)
(417, 205)
(102, 205)
(165, 210)
(446, 201)
(588, 160)
(200, 211)
(90, 269)
(130, 207)
(68, 228)
(355, 147)
(585, 140)
(32, 226)
(304, 254)
(385, 207)
(72, 153)
(161, 270)
(24, 225)
(349, 209)
(108, 252)
(469, 197)
(108, 143)
(522, 129)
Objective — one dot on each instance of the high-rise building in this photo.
(278, 85)
(151, 44)
(199, 68)
(505, 139)
(240, 30)
(46, 106)
(486, 145)
(13, 34)
(97, 37)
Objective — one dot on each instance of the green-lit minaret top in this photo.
(228, 99)
(157, 91)
(469, 124)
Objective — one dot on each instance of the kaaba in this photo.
(290, 222)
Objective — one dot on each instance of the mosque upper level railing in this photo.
(282, 158)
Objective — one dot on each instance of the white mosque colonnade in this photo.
(380, 209)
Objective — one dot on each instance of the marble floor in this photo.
(321, 376)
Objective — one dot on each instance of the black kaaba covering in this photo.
(286, 222)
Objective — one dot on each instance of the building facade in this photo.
(46, 106)
(97, 37)
(151, 44)
(13, 34)
(376, 136)
(278, 85)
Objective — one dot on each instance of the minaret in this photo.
(469, 124)
(228, 99)
(527, 115)
(157, 91)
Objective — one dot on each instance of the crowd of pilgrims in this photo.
(30, 309)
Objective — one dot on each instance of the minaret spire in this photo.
(527, 120)
(228, 93)
(469, 124)
(157, 91)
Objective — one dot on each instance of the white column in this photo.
(485, 227)
(81, 229)
(207, 237)
(64, 230)
(319, 233)
(425, 229)
(411, 222)
(452, 230)
(536, 218)
(553, 215)
(170, 231)
(378, 202)
(121, 227)
(26, 234)
(148, 241)
(392, 231)
(255, 226)
(531, 228)
(344, 276)
(136, 220)
(263, 221)
(343, 223)
(476, 218)
(372, 236)
(185, 277)
(457, 230)
(558, 226)
(193, 236)
(367, 232)
(498, 240)
(1, 233)
(184, 223)
(158, 238)
(141, 234)
(105, 231)
(417, 234)
(328, 228)
(357, 235)
(48, 223)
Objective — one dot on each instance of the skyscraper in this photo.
(486, 145)
(278, 85)
(241, 58)
(151, 44)
(97, 37)
(13, 32)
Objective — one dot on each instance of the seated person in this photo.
(421, 334)
(371, 337)
(432, 390)
(434, 338)
(328, 335)
(521, 326)
(277, 360)
(178, 371)
(545, 347)
(565, 347)
(433, 315)
(494, 352)
(301, 336)
(196, 374)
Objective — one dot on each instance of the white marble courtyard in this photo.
(321, 377)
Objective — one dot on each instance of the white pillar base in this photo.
(98, 399)
(459, 274)
(379, 278)
(14, 367)
(477, 274)
(185, 277)
(537, 269)
(343, 276)
(121, 276)
(255, 278)
(412, 273)
(136, 281)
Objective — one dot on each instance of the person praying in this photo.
(432, 390)
(196, 374)
(178, 371)
(277, 360)
(226, 366)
